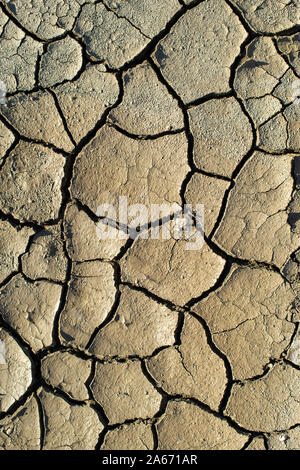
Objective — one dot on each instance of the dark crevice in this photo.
(7, 280)
(178, 331)
(92, 133)
(35, 369)
(155, 436)
(266, 443)
(277, 153)
(184, 186)
(218, 284)
(284, 57)
(61, 114)
(191, 5)
(39, 279)
(19, 136)
(90, 379)
(111, 314)
(21, 401)
(124, 249)
(64, 293)
(188, 179)
(144, 137)
(49, 350)
(164, 395)
(286, 350)
(86, 210)
(247, 444)
(266, 369)
(53, 147)
(37, 71)
(9, 126)
(242, 19)
(291, 364)
(101, 438)
(18, 224)
(222, 210)
(58, 392)
(216, 414)
(7, 153)
(42, 422)
(230, 260)
(72, 402)
(220, 354)
(153, 296)
(209, 97)
(251, 439)
(254, 142)
(124, 18)
(252, 263)
(189, 136)
(127, 359)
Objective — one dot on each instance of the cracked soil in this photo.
(140, 343)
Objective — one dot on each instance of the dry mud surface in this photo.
(140, 343)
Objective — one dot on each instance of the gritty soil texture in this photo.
(138, 343)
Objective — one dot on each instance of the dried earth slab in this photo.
(249, 318)
(36, 117)
(83, 237)
(271, 403)
(19, 54)
(83, 101)
(139, 327)
(68, 426)
(124, 392)
(269, 90)
(255, 223)
(30, 308)
(220, 143)
(90, 297)
(61, 61)
(192, 370)
(45, 258)
(21, 431)
(186, 426)
(67, 372)
(30, 182)
(108, 37)
(15, 371)
(47, 19)
(13, 243)
(133, 436)
(147, 172)
(269, 16)
(196, 56)
(169, 270)
(147, 107)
